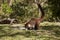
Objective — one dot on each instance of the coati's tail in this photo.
(41, 10)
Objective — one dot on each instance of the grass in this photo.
(49, 32)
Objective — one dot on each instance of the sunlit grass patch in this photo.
(49, 32)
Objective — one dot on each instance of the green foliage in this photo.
(54, 6)
(6, 9)
(24, 10)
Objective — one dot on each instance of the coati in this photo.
(33, 24)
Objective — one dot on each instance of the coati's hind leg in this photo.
(36, 27)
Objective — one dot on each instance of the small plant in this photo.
(6, 9)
